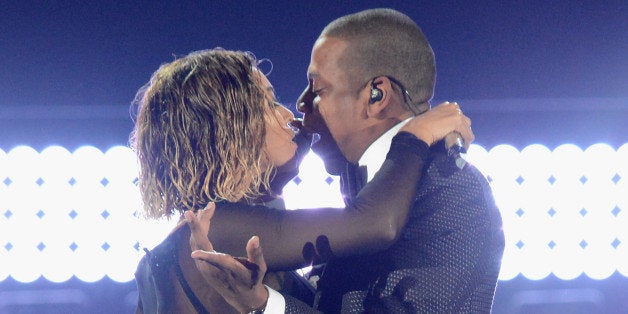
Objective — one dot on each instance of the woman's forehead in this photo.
(266, 85)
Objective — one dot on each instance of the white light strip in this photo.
(76, 213)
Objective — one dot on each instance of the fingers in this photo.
(218, 260)
(309, 253)
(463, 127)
(234, 271)
(323, 247)
(438, 122)
(236, 265)
(467, 134)
(205, 215)
(208, 264)
(238, 280)
(461, 123)
(199, 227)
(255, 255)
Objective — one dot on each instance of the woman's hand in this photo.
(438, 122)
(237, 279)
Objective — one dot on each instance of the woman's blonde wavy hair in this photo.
(199, 133)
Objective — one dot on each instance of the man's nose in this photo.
(305, 102)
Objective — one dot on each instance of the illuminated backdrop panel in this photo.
(78, 213)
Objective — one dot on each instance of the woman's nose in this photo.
(287, 115)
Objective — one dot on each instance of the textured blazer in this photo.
(447, 259)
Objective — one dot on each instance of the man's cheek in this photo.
(325, 116)
(317, 120)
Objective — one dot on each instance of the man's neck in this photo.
(358, 144)
(364, 138)
(375, 155)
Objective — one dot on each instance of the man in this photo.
(381, 52)
(369, 72)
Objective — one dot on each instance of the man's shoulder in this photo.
(443, 179)
(444, 167)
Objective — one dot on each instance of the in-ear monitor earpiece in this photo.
(376, 93)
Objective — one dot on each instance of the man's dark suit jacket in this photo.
(447, 259)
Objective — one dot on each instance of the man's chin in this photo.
(335, 167)
(335, 162)
(292, 165)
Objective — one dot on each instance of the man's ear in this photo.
(379, 97)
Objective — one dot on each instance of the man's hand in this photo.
(438, 122)
(237, 279)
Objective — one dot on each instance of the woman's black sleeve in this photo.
(371, 223)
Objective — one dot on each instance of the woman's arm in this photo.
(371, 223)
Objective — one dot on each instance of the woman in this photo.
(210, 130)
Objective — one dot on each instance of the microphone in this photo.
(455, 147)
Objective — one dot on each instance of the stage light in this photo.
(312, 177)
(79, 213)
